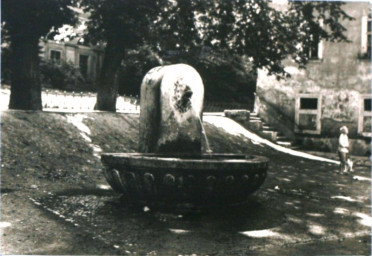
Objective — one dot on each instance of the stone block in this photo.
(269, 135)
(239, 115)
(254, 125)
(171, 107)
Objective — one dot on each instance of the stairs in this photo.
(266, 131)
(254, 123)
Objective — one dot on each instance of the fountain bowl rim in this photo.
(184, 161)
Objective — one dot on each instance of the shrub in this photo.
(62, 75)
(134, 67)
(226, 78)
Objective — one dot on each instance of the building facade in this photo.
(334, 90)
(88, 59)
(68, 45)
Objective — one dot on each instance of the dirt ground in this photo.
(55, 199)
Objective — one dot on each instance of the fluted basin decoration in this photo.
(185, 180)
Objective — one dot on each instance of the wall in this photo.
(340, 78)
(70, 52)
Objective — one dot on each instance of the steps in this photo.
(268, 132)
(253, 122)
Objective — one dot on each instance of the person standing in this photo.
(343, 149)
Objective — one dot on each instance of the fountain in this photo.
(172, 167)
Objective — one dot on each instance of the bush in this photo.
(134, 67)
(62, 76)
(226, 78)
(227, 82)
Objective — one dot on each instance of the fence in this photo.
(85, 101)
(221, 106)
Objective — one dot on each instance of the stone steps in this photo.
(270, 135)
(255, 125)
(254, 118)
(281, 137)
(286, 144)
(253, 122)
(268, 132)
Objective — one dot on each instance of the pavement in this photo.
(304, 208)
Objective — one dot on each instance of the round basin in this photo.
(185, 180)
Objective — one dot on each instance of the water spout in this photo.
(204, 134)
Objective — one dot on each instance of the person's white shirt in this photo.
(343, 143)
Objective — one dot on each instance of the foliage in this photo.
(182, 30)
(135, 65)
(123, 21)
(228, 79)
(250, 28)
(122, 25)
(24, 18)
(319, 19)
(218, 73)
(23, 23)
(63, 76)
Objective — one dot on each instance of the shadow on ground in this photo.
(51, 203)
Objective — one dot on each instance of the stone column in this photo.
(171, 110)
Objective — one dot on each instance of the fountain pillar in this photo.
(171, 108)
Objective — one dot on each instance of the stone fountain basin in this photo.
(185, 180)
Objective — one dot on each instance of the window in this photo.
(366, 37)
(364, 125)
(367, 104)
(83, 64)
(55, 56)
(369, 37)
(307, 113)
(312, 49)
(308, 103)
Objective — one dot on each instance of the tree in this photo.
(254, 29)
(122, 25)
(234, 29)
(24, 22)
(135, 64)
(312, 21)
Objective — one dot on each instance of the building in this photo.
(334, 90)
(67, 45)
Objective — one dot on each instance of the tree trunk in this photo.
(107, 88)
(25, 78)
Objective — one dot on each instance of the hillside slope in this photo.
(44, 148)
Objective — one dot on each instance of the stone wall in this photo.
(340, 78)
(358, 146)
